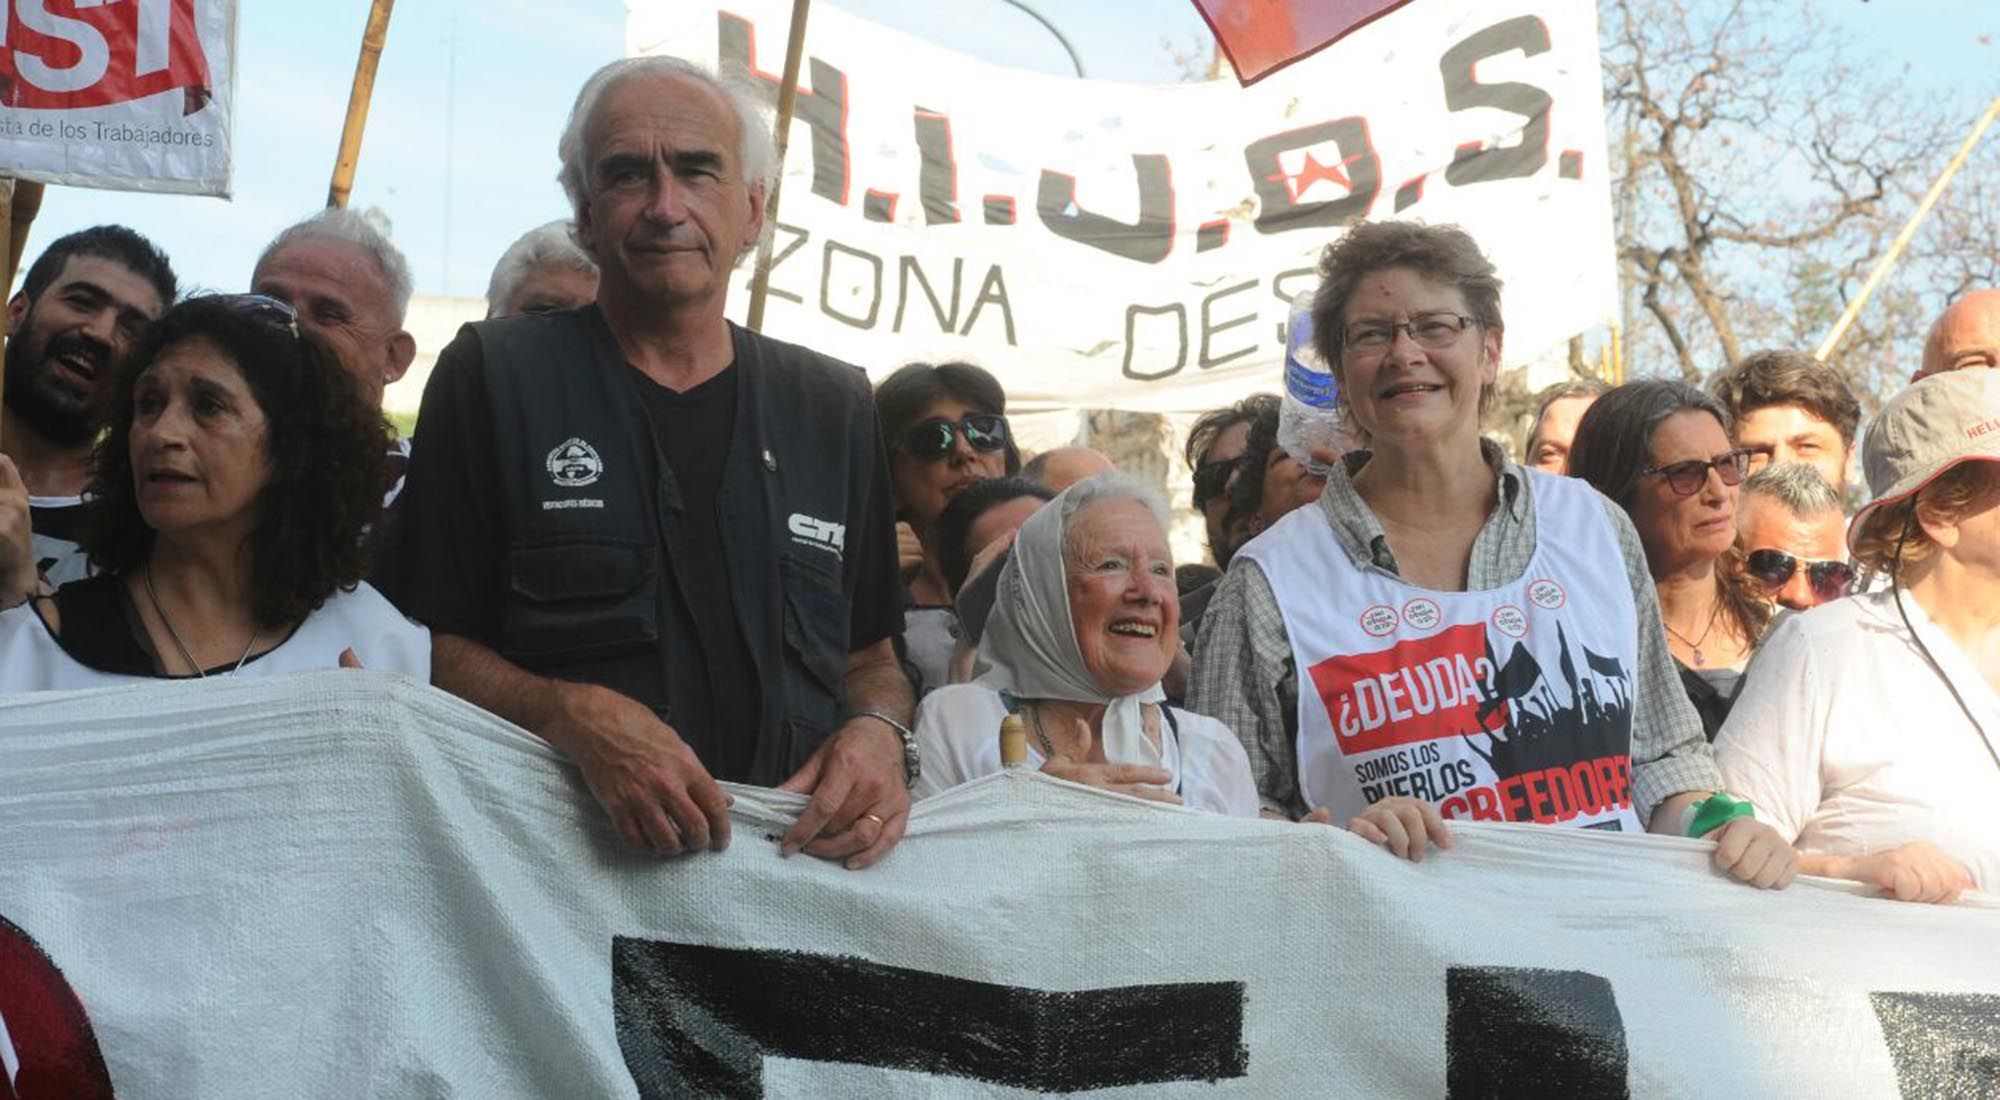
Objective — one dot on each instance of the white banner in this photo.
(1099, 244)
(346, 884)
(137, 95)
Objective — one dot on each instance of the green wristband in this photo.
(1717, 810)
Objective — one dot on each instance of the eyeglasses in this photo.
(931, 440)
(1687, 478)
(1429, 330)
(263, 307)
(1211, 478)
(1774, 568)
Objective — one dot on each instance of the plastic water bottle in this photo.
(1307, 415)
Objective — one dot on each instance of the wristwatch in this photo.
(912, 765)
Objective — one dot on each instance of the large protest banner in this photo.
(132, 94)
(1112, 245)
(345, 884)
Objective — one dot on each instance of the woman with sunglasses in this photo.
(239, 468)
(946, 427)
(1869, 731)
(1443, 633)
(1661, 449)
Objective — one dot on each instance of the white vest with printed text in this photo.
(1508, 704)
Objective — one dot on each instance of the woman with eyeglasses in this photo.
(237, 473)
(1661, 448)
(1869, 731)
(946, 427)
(1445, 634)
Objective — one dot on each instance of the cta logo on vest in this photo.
(820, 534)
(1417, 690)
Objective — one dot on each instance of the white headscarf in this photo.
(1029, 645)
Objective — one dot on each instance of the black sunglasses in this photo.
(930, 440)
(1211, 478)
(263, 308)
(1774, 568)
(1687, 478)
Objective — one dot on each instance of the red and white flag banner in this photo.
(1262, 36)
(126, 94)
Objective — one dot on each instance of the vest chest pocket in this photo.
(815, 642)
(581, 598)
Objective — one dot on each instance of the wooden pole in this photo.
(344, 164)
(1902, 240)
(788, 96)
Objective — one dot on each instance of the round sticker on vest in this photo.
(1547, 594)
(1511, 621)
(1422, 613)
(574, 464)
(1379, 620)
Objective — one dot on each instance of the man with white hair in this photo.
(542, 272)
(351, 288)
(662, 542)
(1793, 532)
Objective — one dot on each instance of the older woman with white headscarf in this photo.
(1084, 624)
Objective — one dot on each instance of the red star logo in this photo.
(1312, 173)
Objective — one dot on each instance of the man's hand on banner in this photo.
(657, 793)
(860, 805)
(1913, 872)
(1405, 826)
(1753, 852)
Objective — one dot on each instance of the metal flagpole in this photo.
(788, 95)
(357, 103)
(1902, 240)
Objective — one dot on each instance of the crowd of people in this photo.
(684, 553)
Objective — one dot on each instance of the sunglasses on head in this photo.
(1774, 568)
(1687, 478)
(930, 440)
(263, 308)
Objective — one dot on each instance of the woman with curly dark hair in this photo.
(239, 468)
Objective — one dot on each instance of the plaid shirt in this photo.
(1244, 677)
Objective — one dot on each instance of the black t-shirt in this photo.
(693, 429)
(451, 557)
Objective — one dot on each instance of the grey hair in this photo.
(757, 151)
(550, 245)
(1112, 485)
(338, 223)
(1798, 487)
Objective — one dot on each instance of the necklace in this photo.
(1035, 717)
(1694, 647)
(176, 635)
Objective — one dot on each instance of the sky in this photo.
(460, 144)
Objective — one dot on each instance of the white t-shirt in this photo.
(31, 659)
(1848, 742)
(958, 737)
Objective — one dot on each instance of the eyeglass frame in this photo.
(960, 429)
(1464, 321)
(263, 305)
(1742, 465)
(1814, 568)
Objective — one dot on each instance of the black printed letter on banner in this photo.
(824, 108)
(1147, 240)
(1318, 177)
(1944, 1044)
(1476, 163)
(699, 1022)
(1515, 1032)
